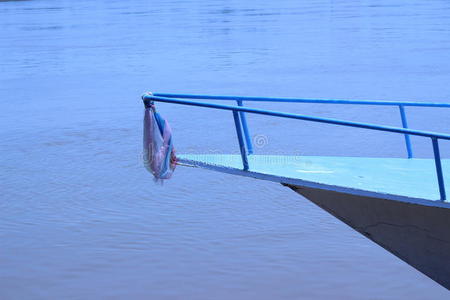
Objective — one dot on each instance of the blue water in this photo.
(80, 218)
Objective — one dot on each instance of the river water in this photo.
(80, 218)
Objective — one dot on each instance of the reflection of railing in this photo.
(245, 145)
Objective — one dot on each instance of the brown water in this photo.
(80, 218)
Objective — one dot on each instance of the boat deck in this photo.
(412, 179)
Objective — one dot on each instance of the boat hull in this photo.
(394, 202)
(418, 234)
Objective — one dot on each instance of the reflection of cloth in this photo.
(159, 153)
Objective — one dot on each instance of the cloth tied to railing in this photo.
(159, 153)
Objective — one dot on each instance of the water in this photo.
(80, 218)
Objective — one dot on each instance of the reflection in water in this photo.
(78, 208)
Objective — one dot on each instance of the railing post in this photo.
(248, 140)
(405, 125)
(437, 161)
(237, 123)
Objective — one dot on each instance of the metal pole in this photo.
(302, 100)
(302, 117)
(248, 140)
(437, 161)
(237, 123)
(405, 125)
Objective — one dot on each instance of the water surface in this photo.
(80, 218)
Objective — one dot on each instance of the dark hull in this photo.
(417, 234)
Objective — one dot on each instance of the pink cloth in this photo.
(159, 153)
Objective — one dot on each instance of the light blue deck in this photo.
(393, 178)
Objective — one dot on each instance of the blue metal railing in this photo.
(241, 99)
(239, 117)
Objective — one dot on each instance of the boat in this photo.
(399, 203)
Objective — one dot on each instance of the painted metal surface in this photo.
(248, 140)
(417, 234)
(438, 163)
(405, 125)
(240, 110)
(302, 100)
(387, 178)
(300, 117)
(237, 124)
(240, 99)
(392, 201)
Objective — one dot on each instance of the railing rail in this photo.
(239, 110)
(303, 100)
(241, 99)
